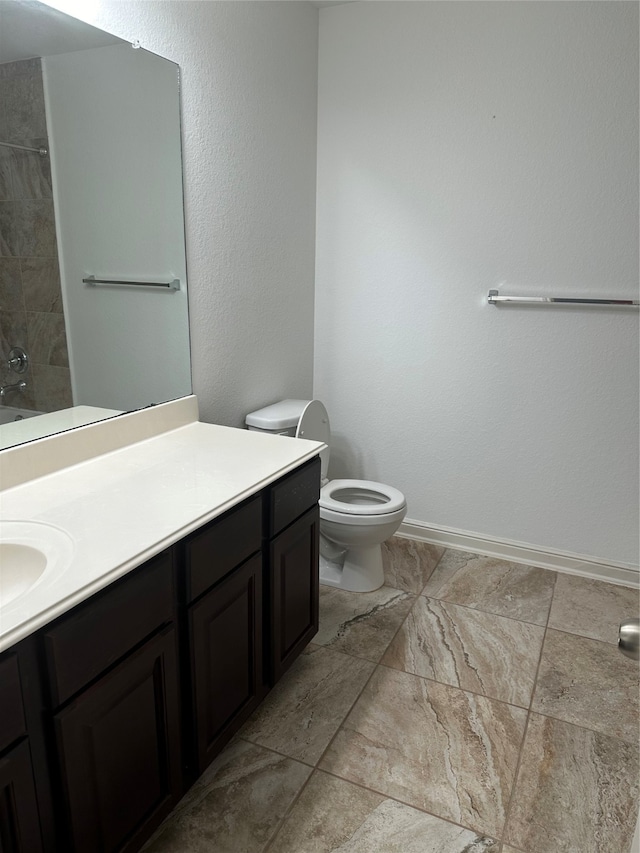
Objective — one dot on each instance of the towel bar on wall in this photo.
(494, 298)
(42, 150)
(169, 285)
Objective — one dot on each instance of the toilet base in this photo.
(361, 571)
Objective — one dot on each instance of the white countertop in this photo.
(126, 505)
(42, 424)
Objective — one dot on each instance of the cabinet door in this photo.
(119, 747)
(19, 818)
(294, 591)
(225, 630)
(12, 723)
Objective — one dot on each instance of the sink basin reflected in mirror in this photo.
(29, 552)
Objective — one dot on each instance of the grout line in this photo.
(551, 716)
(384, 797)
(585, 728)
(315, 767)
(346, 716)
(482, 610)
(288, 811)
(269, 749)
(581, 636)
(516, 774)
(455, 687)
(366, 684)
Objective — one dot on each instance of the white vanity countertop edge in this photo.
(125, 506)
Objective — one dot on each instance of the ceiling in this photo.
(29, 29)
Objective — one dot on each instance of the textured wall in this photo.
(462, 145)
(249, 75)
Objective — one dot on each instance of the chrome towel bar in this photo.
(42, 150)
(169, 285)
(494, 298)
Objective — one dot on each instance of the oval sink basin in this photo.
(29, 551)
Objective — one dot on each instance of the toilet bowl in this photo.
(356, 516)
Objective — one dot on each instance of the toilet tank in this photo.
(278, 418)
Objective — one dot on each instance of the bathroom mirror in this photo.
(92, 256)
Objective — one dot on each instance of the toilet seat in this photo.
(360, 497)
(314, 425)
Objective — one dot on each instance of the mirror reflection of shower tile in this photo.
(24, 111)
(31, 172)
(52, 387)
(11, 292)
(27, 228)
(6, 174)
(41, 285)
(47, 339)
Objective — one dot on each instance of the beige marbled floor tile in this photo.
(408, 564)
(361, 623)
(589, 683)
(467, 648)
(496, 586)
(235, 806)
(507, 849)
(577, 791)
(304, 710)
(431, 746)
(592, 608)
(334, 816)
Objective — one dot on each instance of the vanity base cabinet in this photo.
(294, 591)
(26, 807)
(225, 641)
(119, 748)
(19, 813)
(109, 713)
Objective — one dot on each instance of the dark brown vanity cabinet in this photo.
(294, 526)
(112, 667)
(111, 711)
(252, 604)
(224, 577)
(19, 813)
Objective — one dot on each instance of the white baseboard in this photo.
(559, 561)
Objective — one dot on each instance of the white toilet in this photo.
(356, 516)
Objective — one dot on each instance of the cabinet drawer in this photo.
(100, 631)
(213, 552)
(12, 725)
(293, 495)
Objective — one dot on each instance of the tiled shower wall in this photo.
(31, 313)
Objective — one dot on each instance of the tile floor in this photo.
(471, 705)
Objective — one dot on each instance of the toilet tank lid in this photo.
(280, 415)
